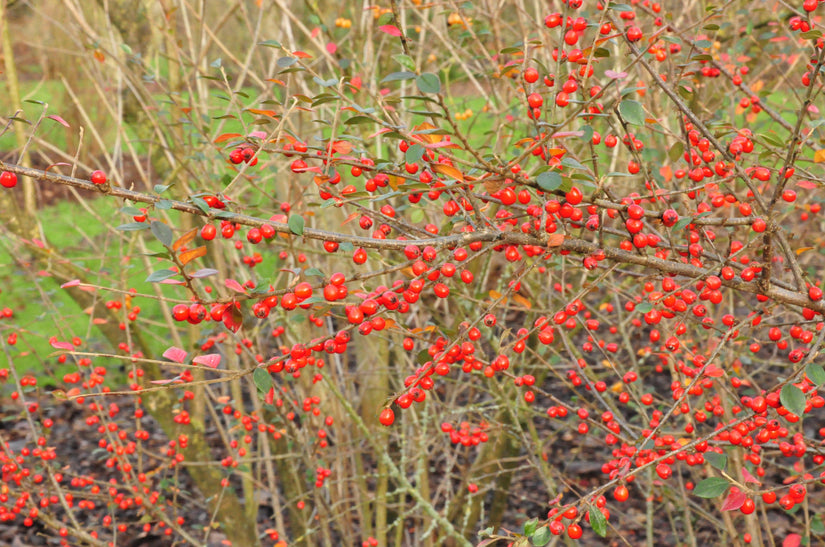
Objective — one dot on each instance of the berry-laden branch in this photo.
(485, 235)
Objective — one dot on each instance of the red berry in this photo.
(98, 177)
(387, 417)
(759, 225)
(8, 180)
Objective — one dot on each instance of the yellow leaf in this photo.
(819, 156)
(189, 256)
(448, 170)
(184, 239)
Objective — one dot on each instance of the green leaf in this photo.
(682, 224)
(676, 151)
(632, 112)
(572, 163)
(549, 181)
(793, 399)
(404, 60)
(717, 460)
(358, 120)
(428, 83)
(530, 527)
(414, 153)
(644, 307)
(296, 224)
(619, 7)
(542, 536)
(816, 373)
(597, 521)
(398, 76)
(811, 34)
(162, 232)
(262, 379)
(711, 487)
(314, 271)
(160, 275)
(132, 226)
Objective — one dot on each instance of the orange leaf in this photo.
(268, 113)
(431, 137)
(184, 239)
(448, 170)
(556, 152)
(554, 240)
(395, 182)
(302, 55)
(189, 256)
(342, 147)
(523, 301)
(819, 156)
(494, 294)
(99, 55)
(801, 250)
(226, 137)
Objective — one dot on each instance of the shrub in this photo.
(403, 276)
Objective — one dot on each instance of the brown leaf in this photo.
(189, 256)
(184, 239)
(493, 185)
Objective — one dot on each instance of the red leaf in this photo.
(380, 132)
(302, 54)
(62, 345)
(232, 318)
(712, 371)
(734, 500)
(164, 382)
(792, 540)
(59, 120)
(392, 30)
(748, 477)
(63, 163)
(72, 283)
(234, 285)
(175, 354)
(212, 360)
